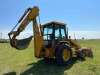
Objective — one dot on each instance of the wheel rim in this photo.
(66, 54)
(82, 54)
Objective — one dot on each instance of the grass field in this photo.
(14, 62)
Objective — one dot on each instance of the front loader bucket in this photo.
(88, 52)
(20, 44)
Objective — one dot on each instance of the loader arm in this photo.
(32, 13)
(82, 52)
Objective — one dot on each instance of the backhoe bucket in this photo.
(20, 44)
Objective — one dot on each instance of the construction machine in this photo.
(50, 40)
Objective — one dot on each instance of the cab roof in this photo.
(54, 22)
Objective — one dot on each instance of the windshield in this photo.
(57, 32)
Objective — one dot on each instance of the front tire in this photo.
(63, 54)
(81, 54)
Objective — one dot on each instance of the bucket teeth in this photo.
(90, 54)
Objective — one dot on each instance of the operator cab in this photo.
(53, 32)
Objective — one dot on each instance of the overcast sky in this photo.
(81, 16)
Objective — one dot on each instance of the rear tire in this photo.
(63, 54)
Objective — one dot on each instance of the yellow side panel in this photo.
(47, 52)
(74, 54)
(74, 44)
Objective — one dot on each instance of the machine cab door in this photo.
(48, 35)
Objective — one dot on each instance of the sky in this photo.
(81, 16)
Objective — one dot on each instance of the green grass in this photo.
(15, 62)
(1, 40)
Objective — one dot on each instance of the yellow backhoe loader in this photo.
(50, 40)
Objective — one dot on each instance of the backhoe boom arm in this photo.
(31, 16)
